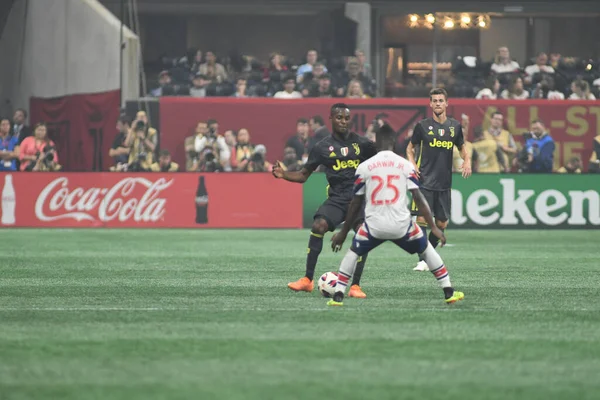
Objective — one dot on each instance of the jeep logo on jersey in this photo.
(346, 164)
(344, 151)
(441, 143)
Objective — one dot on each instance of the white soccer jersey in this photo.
(385, 180)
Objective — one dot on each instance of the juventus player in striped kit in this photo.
(382, 183)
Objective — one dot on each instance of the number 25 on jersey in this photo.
(379, 198)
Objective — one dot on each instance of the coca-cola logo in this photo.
(58, 201)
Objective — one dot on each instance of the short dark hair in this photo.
(496, 113)
(317, 119)
(125, 119)
(164, 153)
(301, 121)
(23, 111)
(211, 122)
(339, 106)
(438, 91)
(538, 121)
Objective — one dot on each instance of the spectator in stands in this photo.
(486, 154)
(325, 89)
(214, 144)
(231, 140)
(150, 131)
(164, 163)
(491, 90)
(288, 91)
(241, 88)
(465, 124)
(310, 82)
(199, 84)
(352, 73)
(290, 160)
(573, 166)
(581, 91)
(257, 162)
(540, 149)
(355, 90)
(164, 79)
(516, 90)
(142, 143)
(545, 90)
(503, 64)
(300, 141)
(320, 131)
(38, 152)
(9, 147)
(212, 69)
(276, 72)
(594, 166)
(540, 67)
(19, 129)
(119, 151)
(243, 149)
(365, 67)
(505, 140)
(311, 60)
(197, 62)
(192, 158)
(555, 60)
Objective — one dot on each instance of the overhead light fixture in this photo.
(465, 19)
(414, 18)
(430, 18)
(448, 24)
(450, 21)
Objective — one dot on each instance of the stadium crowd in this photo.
(201, 74)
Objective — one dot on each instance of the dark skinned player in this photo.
(340, 153)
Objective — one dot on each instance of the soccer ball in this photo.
(327, 283)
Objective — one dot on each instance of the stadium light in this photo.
(414, 18)
(448, 23)
(465, 19)
(430, 18)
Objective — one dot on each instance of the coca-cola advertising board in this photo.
(149, 200)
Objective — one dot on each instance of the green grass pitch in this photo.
(197, 314)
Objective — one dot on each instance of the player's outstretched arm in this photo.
(291, 176)
(353, 210)
(425, 212)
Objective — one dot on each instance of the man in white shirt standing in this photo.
(288, 91)
(382, 183)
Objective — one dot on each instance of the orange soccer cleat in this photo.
(356, 291)
(302, 285)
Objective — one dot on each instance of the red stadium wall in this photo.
(572, 124)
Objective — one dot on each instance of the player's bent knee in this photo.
(320, 226)
(441, 224)
(421, 221)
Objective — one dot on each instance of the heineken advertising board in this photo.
(505, 201)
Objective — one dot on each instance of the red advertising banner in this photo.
(82, 126)
(572, 124)
(149, 200)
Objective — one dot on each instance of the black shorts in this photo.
(334, 211)
(439, 202)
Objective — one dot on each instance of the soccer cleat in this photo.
(335, 303)
(456, 296)
(302, 285)
(356, 291)
(421, 266)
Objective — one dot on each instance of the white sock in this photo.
(346, 271)
(436, 266)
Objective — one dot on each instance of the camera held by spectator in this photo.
(210, 163)
(138, 164)
(45, 160)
